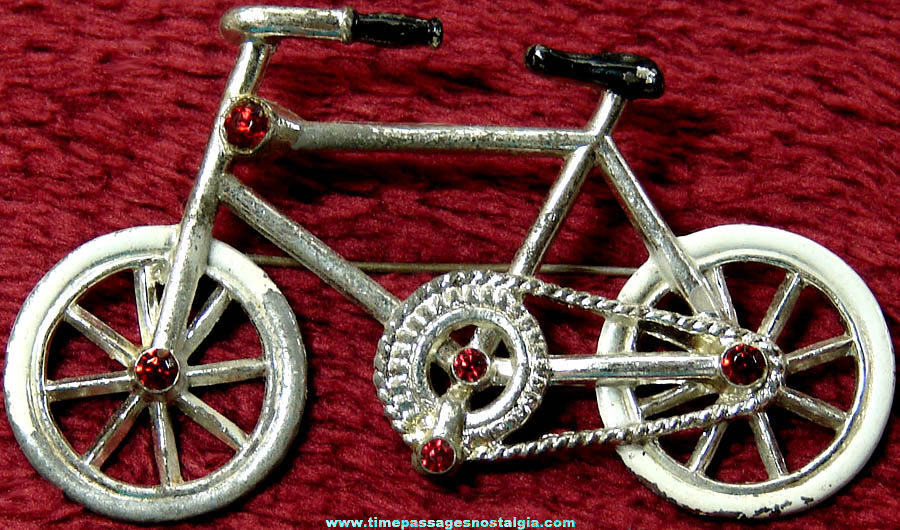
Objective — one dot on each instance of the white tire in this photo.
(857, 429)
(280, 363)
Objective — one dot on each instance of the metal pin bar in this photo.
(439, 268)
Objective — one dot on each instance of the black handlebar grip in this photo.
(389, 29)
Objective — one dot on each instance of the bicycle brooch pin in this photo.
(710, 372)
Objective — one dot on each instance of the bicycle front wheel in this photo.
(73, 351)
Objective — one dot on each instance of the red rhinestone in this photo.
(437, 456)
(154, 371)
(246, 125)
(743, 364)
(470, 365)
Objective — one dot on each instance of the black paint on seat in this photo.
(630, 76)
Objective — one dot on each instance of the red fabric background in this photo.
(776, 113)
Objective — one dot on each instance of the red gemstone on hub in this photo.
(470, 365)
(743, 364)
(156, 370)
(437, 456)
(246, 125)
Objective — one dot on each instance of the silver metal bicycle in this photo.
(704, 373)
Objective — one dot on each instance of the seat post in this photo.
(604, 120)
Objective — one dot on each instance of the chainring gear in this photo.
(423, 323)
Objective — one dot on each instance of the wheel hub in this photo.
(156, 371)
(743, 364)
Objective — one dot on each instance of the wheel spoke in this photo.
(446, 354)
(767, 445)
(716, 278)
(164, 446)
(810, 408)
(114, 431)
(503, 371)
(226, 372)
(780, 310)
(147, 303)
(485, 340)
(818, 353)
(671, 398)
(87, 386)
(205, 321)
(706, 448)
(212, 420)
(106, 338)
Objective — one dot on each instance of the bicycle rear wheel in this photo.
(782, 484)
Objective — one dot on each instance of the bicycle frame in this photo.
(582, 150)
(446, 426)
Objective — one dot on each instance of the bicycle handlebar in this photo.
(268, 23)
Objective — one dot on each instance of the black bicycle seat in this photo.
(630, 76)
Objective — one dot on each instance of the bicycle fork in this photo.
(194, 236)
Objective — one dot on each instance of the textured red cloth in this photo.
(776, 113)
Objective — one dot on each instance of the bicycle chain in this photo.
(699, 325)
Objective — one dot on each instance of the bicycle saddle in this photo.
(630, 76)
